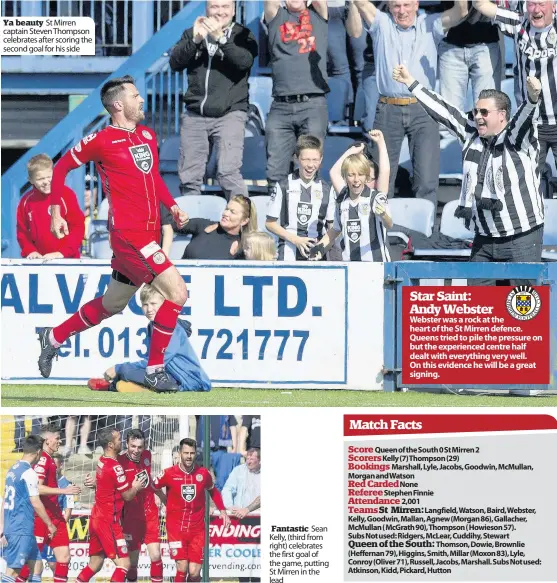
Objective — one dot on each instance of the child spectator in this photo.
(33, 216)
(362, 212)
(180, 359)
(259, 246)
(302, 204)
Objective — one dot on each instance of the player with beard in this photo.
(185, 485)
(106, 536)
(141, 514)
(126, 157)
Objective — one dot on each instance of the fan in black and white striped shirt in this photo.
(501, 184)
(362, 212)
(535, 35)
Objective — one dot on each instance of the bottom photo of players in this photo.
(130, 498)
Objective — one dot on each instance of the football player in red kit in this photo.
(49, 491)
(185, 485)
(141, 514)
(126, 158)
(106, 537)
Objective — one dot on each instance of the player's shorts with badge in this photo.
(138, 255)
(42, 534)
(107, 539)
(186, 545)
(19, 550)
(138, 532)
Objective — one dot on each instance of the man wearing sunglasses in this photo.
(501, 186)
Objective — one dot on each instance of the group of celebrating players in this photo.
(124, 516)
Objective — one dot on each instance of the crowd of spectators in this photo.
(445, 46)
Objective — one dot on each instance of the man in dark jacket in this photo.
(218, 54)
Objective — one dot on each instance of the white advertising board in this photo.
(254, 325)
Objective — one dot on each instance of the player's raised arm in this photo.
(87, 150)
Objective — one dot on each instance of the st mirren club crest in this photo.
(188, 492)
(523, 303)
(142, 157)
(354, 230)
(143, 477)
(304, 213)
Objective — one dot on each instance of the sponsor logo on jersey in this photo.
(199, 477)
(143, 157)
(188, 492)
(318, 192)
(304, 212)
(118, 141)
(147, 135)
(147, 462)
(354, 230)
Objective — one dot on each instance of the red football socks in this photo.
(180, 577)
(163, 328)
(24, 573)
(89, 315)
(61, 572)
(119, 575)
(85, 575)
(156, 572)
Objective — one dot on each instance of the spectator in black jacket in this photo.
(218, 54)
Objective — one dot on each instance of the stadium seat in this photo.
(453, 227)
(451, 160)
(179, 245)
(334, 147)
(417, 214)
(103, 210)
(100, 246)
(254, 161)
(172, 181)
(337, 98)
(261, 203)
(550, 226)
(260, 95)
(202, 206)
(169, 154)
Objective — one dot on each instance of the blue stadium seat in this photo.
(451, 160)
(550, 226)
(169, 154)
(172, 181)
(179, 246)
(337, 98)
(260, 90)
(202, 206)
(254, 161)
(417, 214)
(334, 147)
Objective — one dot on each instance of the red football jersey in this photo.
(128, 164)
(185, 505)
(45, 469)
(111, 482)
(142, 506)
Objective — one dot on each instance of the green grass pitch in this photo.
(81, 396)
